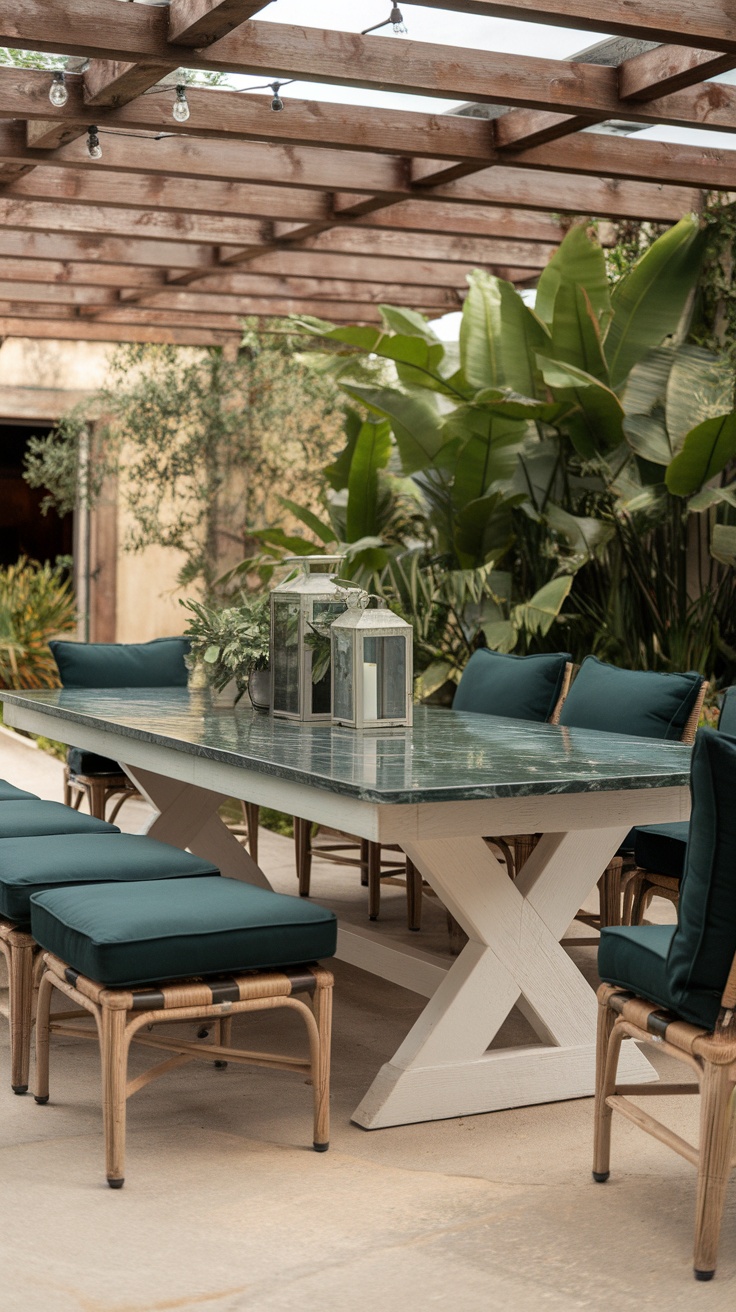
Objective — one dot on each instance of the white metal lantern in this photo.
(372, 666)
(302, 609)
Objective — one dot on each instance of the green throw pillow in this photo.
(521, 687)
(157, 664)
(639, 703)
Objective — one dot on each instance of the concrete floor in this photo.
(227, 1209)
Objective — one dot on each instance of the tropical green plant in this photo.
(36, 604)
(583, 446)
(230, 643)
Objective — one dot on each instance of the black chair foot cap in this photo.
(220, 1065)
(373, 917)
(415, 929)
(600, 1177)
(703, 1275)
(202, 1032)
(19, 1088)
(116, 1184)
(41, 1099)
(321, 1147)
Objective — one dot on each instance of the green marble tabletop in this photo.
(447, 756)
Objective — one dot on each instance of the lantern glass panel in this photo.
(285, 655)
(342, 652)
(384, 678)
(323, 613)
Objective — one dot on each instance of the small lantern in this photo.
(372, 666)
(302, 610)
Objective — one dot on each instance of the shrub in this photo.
(36, 604)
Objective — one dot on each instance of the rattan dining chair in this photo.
(634, 703)
(660, 850)
(493, 683)
(675, 985)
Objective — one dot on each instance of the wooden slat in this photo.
(198, 22)
(357, 268)
(79, 273)
(603, 196)
(100, 220)
(105, 250)
(266, 287)
(669, 68)
(342, 311)
(71, 330)
(420, 246)
(619, 157)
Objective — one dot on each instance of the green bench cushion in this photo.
(25, 819)
(727, 717)
(9, 793)
(521, 687)
(123, 935)
(662, 848)
(635, 958)
(82, 762)
(157, 664)
(640, 703)
(30, 865)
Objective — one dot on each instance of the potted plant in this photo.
(232, 647)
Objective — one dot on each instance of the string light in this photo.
(58, 92)
(181, 104)
(395, 20)
(94, 149)
(277, 103)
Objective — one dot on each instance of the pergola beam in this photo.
(199, 22)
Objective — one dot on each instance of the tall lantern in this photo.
(372, 666)
(302, 610)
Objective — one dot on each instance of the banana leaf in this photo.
(578, 261)
(539, 613)
(700, 386)
(372, 451)
(706, 450)
(576, 336)
(596, 423)
(415, 420)
(499, 336)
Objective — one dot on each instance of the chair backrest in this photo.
(521, 687)
(639, 703)
(727, 717)
(157, 664)
(700, 960)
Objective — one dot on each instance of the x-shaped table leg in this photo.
(187, 817)
(443, 1067)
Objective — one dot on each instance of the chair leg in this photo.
(640, 900)
(609, 886)
(413, 896)
(321, 1075)
(364, 846)
(714, 1164)
(303, 853)
(20, 996)
(374, 880)
(67, 787)
(43, 1008)
(251, 811)
(114, 1055)
(97, 794)
(606, 1062)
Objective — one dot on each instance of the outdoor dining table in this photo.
(436, 790)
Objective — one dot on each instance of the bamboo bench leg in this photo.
(43, 1007)
(606, 1062)
(114, 1053)
(21, 1012)
(321, 1074)
(716, 1146)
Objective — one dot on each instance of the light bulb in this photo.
(180, 110)
(397, 19)
(94, 149)
(58, 94)
(277, 103)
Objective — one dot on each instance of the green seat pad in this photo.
(9, 793)
(25, 819)
(639, 703)
(635, 958)
(662, 848)
(29, 865)
(128, 934)
(157, 664)
(727, 717)
(82, 762)
(521, 687)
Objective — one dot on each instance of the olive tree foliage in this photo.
(200, 446)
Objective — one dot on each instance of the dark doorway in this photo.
(24, 531)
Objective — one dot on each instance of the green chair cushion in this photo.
(123, 935)
(705, 942)
(727, 717)
(521, 687)
(9, 793)
(662, 848)
(639, 703)
(157, 664)
(25, 819)
(30, 865)
(82, 762)
(635, 958)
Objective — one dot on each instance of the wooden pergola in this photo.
(181, 229)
